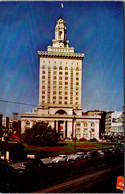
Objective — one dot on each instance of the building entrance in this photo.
(61, 129)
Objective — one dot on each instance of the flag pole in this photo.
(61, 7)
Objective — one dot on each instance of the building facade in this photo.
(60, 87)
(114, 123)
(102, 119)
(5, 122)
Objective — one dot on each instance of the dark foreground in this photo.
(96, 175)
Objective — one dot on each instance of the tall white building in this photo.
(60, 76)
(60, 84)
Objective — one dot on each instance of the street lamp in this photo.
(74, 119)
(102, 134)
(75, 136)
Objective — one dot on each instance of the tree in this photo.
(41, 134)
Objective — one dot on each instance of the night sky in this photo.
(93, 28)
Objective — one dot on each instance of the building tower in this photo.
(60, 84)
(60, 76)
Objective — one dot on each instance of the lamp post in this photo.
(75, 136)
(74, 119)
(102, 134)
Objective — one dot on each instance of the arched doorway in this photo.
(61, 112)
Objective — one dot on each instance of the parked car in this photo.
(28, 165)
(80, 152)
(107, 151)
(101, 153)
(91, 154)
(60, 159)
(118, 149)
(74, 157)
(112, 150)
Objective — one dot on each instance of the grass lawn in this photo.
(66, 147)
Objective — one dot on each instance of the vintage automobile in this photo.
(60, 159)
(74, 157)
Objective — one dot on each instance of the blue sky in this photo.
(93, 28)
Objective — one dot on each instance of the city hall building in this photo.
(60, 87)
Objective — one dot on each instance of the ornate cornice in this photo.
(60, 54)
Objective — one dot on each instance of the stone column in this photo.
(81, 129)
(89, 129)
(64, 128)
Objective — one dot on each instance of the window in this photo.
(27, 123)
(43, 72)
(66, 73)
(77, 69)
(85, 124)
(60, 68)
(85, 130)
(92, 124)
(54, 67)
(66, 83)
(92, 130)
(60, 73)
(66, 78)
(60, 78)
(43, 67)
(66, 68)
(43, 77)
(54, 77)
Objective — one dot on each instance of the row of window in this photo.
(60, 62)
(60, 68)
(60, 102)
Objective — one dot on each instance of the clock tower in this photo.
(60, 35)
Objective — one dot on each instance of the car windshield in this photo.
(62, 156)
